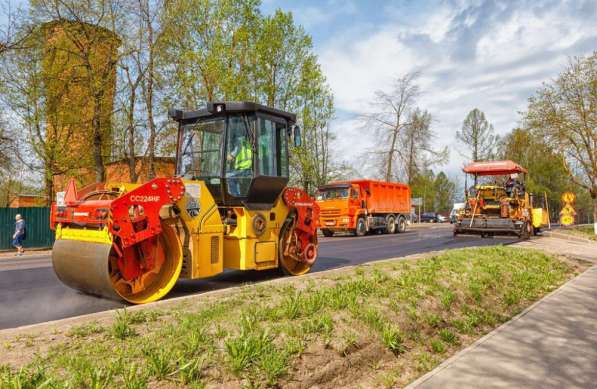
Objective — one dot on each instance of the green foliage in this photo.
(253, 350)
(438, 346)
(160, 362)
(392, 339)
(437, 191)
(448, 336)
(122, 328)
(444, 193)
(85, 330)
(563, 113)
(477, 137)
(228, 50)
(546, 172)
(24, 379)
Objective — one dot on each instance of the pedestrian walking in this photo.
(20, 234)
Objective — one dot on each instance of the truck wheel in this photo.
(401, 224)
(361, 227)
(327, 233)
(391, 225)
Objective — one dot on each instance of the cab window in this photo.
(282, 135)
(200, 152)
(272, 148)
(266, 139)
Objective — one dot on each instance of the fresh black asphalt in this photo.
(30, 292)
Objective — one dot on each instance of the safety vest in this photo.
(244, 159)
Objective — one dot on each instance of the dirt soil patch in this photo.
(378, 325)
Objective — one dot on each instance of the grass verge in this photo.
(378, 325)
(587, 232)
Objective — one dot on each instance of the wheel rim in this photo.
(391, 225)
(361, 227)
(152, 285)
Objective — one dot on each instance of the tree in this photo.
(415, 151)
(564, 112)
(6, 148)
(22, 94)
(389, 120)
(13, 34)
(546, 173)
(477, 136)
(444, 193)
(423, 186)
(227, 50)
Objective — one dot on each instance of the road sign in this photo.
(567, 213)
(416, 201)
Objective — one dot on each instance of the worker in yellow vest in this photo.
(242, 168)
(244, 157)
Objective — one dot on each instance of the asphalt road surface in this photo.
(30, 292)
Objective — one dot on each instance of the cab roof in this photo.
(494, 168)
(220, 108)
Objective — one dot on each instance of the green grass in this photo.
(419, 311)
(583, 231)
(122, 327)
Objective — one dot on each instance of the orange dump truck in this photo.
(360, 206)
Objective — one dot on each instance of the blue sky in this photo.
(487, 54)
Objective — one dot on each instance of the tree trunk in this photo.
(100, 172)
(594, 199)
(391, 154)
(131, 139)
(49, 187)
(149, 99)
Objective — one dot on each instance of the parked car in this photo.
(442, 218)
(429, 217)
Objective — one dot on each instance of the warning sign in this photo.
(568, 214)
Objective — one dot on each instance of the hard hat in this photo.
(18, 216)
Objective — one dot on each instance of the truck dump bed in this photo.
(385, 197)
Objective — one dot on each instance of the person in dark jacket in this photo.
(19, 235)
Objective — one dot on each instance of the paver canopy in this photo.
(494, 168)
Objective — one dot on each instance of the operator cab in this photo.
(239, 149)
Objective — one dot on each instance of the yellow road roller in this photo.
(227, 207)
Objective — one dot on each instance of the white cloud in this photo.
(488, 56)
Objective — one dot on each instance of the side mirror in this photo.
(298, 141)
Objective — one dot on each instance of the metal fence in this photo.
(37, 221)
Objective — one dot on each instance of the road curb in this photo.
(504, 327)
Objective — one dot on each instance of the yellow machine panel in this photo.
(251, 244)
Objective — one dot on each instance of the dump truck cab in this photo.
(340, 206)
(498, 203)
(227, 207)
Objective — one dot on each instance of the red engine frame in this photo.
(305, 227)
(132, 217)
